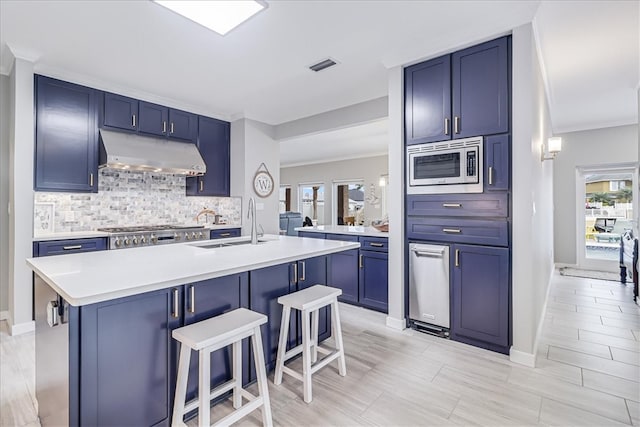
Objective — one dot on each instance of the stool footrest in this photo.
(215, 392)
(294, 374)
(240, 412)
(325, 361)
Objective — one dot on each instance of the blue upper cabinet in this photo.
(428, 101)
(459, 95)
(214, 145)
(497, 155)
(66, 137)
(480, 89)
(182, 125)
(120, 112)
(154, 118)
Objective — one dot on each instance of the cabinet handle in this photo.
(295, 272)
(192, 297)
(225, 234)
(72, 248)
(456, 124)
(457, 257)
(376, 245)
(91, 180)
(171, 128)
(360, 262)
(451, 230)
(446, 125)
(304, 271)
(175, 313)
(201, 186)
(452, 205)
(133, 120)
(490, 175)
(164, 126)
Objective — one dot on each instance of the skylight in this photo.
(220, 16)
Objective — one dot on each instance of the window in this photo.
(349, 203)
(312, 202)
(285, 198)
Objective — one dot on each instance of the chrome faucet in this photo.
(251, 213)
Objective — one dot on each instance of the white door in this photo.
(606, 205)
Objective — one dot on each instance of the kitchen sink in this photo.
(225, 244)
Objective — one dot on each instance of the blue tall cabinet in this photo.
(459, 95)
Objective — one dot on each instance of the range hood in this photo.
(130, 151)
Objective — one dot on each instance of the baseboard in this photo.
(22, 328)
(4, 315)
(543, 314)
(394, 323)
(522, 358)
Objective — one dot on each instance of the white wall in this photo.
(586, 148)
(4, 191)
(253, 143)
(532, 192)
(21, 149)
(367, 169)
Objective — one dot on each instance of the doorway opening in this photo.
(311, 198)
(285, 198)
(607, 206)
(349, 202)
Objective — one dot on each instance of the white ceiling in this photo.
(259, 70)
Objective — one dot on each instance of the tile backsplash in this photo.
(127, 198)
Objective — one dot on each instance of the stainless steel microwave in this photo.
(445, 167)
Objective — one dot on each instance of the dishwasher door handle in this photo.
(428, 254)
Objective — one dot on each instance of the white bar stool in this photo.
(308, 301)
(210, 335)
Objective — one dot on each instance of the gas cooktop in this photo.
(150, 235)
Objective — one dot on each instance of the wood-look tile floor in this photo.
(588, 373)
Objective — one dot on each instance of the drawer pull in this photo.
(376, 245)
(225, 234)
(452, 205)
(451, 230)
(71, 248)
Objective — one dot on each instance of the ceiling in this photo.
(259, 70)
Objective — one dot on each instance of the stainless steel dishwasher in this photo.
(429, 288)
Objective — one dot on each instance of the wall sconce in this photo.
(383, 180)
(553, 147)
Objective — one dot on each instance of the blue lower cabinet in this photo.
(204, 300)
(127, 359)
(374, 279)
(313, 271)
(342, 272)
(311, 234)
(223, 234)
(266, 285)
(480, 296)
(62, 247)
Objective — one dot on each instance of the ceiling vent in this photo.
(322, 65)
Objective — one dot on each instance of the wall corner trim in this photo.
(522, 358)
(394, 323)
(22, 328)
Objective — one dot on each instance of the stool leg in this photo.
(181, 386)
(336, 331)
(282, 344)
(306, 356)
(237, 374)
(314, 336)
(261, 373)
(204, 384)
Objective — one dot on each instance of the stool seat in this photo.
(218, 329)
(205, 337)
(316, 295)
(308, 302)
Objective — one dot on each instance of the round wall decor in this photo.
(263, 181)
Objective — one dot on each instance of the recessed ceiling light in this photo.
(220, 16)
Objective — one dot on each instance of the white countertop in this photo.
(91, 277)
(356, 230)
(90, 234)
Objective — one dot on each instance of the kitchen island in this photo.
(354, 230)
(104, 352)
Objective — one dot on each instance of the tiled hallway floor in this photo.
(588, 372)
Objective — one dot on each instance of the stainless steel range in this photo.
(130, 237)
